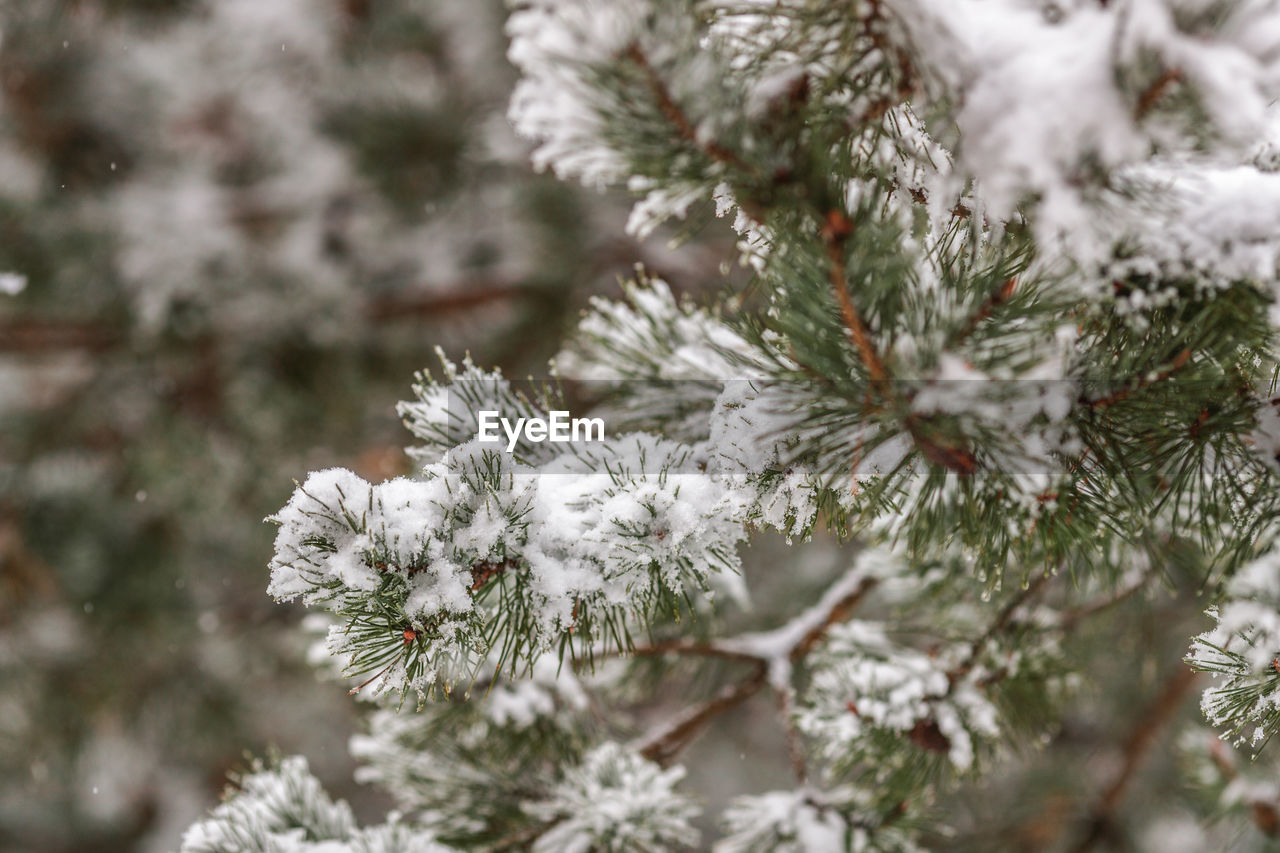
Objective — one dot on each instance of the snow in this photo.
(553, 102)
(12, 283)
(777, 645)
(285, 810)
(1240, 650)
(782, 821)
(607, 526)
(619, 800)
(1044, 102)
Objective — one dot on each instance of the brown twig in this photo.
(997, 298)
(1111, 399)
(1144, 735)
(840, 610)
(464, 295)
(675, 116)
(362, 685)
(666, 743)
(834, 233)
(907, 82)
(482, 573)
(33, 335)
(1264, 813)
(692, 649)
(1002, 620)
(524, 838)
(753, 648)
(1071, 618)
(1153, 93)
(795, 744)
(939, 450)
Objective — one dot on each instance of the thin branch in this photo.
(674, 115)
(31, 335)
(792, 642)
(940, 451)
(834, 233)
(691, 649)
(1137, 746)
(838, 610)
(663, 745)
(459, 297)
(482, 573)
(772, 654)
(998, 297)
(362, 685)
(1001, 622)
(1153, 93)
(524, 838)
(789, 643)
(1265, 813)
(795, 743)
(1070, 618)
(1145, 382)
(907, 77)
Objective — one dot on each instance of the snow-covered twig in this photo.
(772, 652)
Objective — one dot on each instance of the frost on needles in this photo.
(1010, 326)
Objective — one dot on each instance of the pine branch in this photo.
(789, 643)
(692, 649)
(1069, 619)
(460, 297)
(524, 838)
(838, 607)
(902, 61)
(482, 573)
(32, 335)
(795, 743)
(793, 641)
(1264, 813)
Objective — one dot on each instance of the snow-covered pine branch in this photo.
(1011, 324)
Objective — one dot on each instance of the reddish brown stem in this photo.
(997, 298)
(482, 573)
(834, 233)
(1153, 93)
(1124, 393)
(465, 295)
(839, 612)
(667, 743)
(35, 335)
(1002, 621)
(1144, 735)
(676, 116)
(692, 649)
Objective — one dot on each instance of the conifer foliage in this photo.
(1008, 338)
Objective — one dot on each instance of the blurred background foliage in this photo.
(243, 225)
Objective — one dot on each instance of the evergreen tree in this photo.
(1006, 350)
